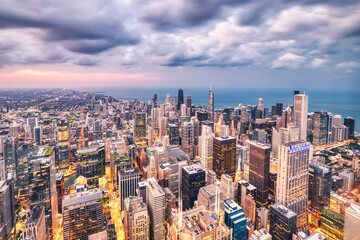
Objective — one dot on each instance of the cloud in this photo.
(198, 33)
(289, 60)
(351, 64)
(318, 62)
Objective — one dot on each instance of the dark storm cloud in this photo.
(82, 31)
(200, 33)
(166, 15)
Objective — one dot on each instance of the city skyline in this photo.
(167, 43)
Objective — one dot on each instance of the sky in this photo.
(160, 43)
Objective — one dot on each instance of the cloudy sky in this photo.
(241, 43)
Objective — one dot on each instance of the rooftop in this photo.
(191, 169)
(284, 210)
(82, 197)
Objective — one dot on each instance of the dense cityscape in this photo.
(83, 165)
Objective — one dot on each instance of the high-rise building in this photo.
(193, 178)
(300, 113)
(259, 171)
(60, 189)
(37, 134)
(319, 185)
(350, 123)
(339, 133)
(206, 147)
(332, 223)
(211, 197)
(250, 208)
(348, 179)
(352, 222)
(63, 142)
(322, 128)
(244, 189)
(211, 105)
(227, 186)
(279, 109)
(128, 183)
(293, 179)
(137, 219)
(90, 163)
(187, 138)
(82, 214)
(140, 129)
(173, 132)
(42, 175)
(224, 160)
(188, 101)
(35, 228)
(7, 210)
(180, 98)
(282, 222)
(156, 207)
(261, 105)
(235, 218)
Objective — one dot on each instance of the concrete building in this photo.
(348, 179)
(206, 147)
(156, 207)
(137, 219)
(35, 228)
(224, 156)
(259, 171)
(78, 208)
(128, 182)
(293, 179)
(282, 222)
(300, 114)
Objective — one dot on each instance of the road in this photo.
(116, 216)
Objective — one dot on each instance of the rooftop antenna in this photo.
(210, 85)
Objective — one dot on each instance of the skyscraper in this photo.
(211, 105)
(261, 105)
(319, 185)
(187, 138)
(322, 128)
(180, 98)
(235, 218)
(193, 178)
(137, 219)
(156, 207)
(90, 163)
(259, 171)
(206, 147)
(140, 129)
(293, 179)
(350, 123)
(188, 101)
(82, 214)
(42, 175)
(128, 183)
(300, 113)
(7, 210)
(282, 222)
(35, 228)
(63, 142)
(224, 156)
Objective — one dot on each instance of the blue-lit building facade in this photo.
(235, 218)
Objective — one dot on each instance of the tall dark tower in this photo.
(211, 105)
(180, 98)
